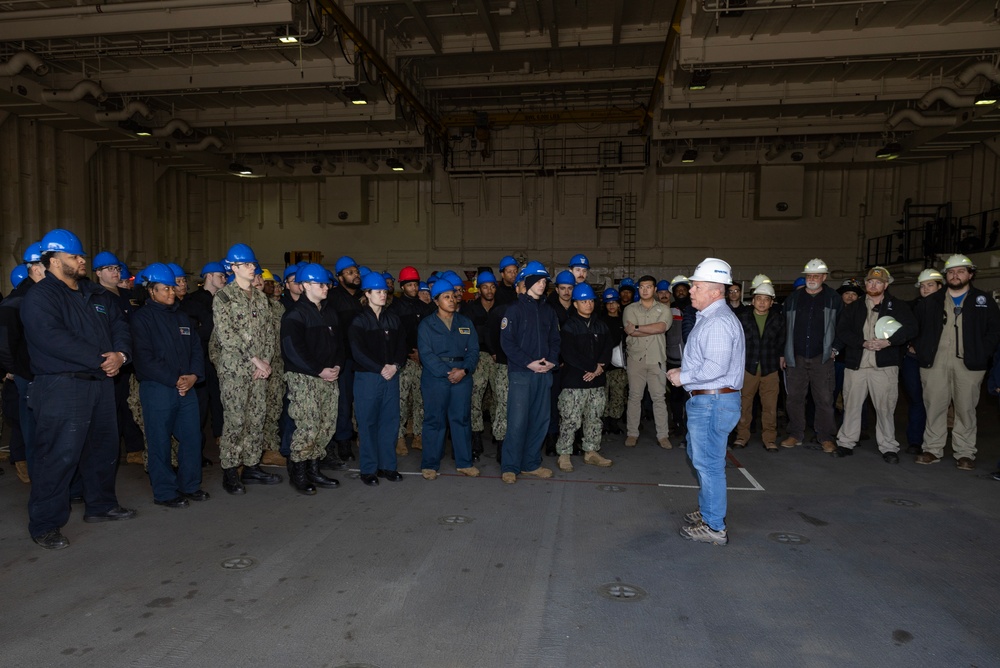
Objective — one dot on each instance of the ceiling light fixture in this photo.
(240, 170)
(689, 156)
(699, 79)
(353, 94)
(890, 151)
(285, 36)
(135, 128)
(988, 98)
(394, 164)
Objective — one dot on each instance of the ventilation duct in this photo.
(200, 146)
(23, 59)
(921, 121)
(126, 113)
(173, 125)
(76, 93)
(948, 96)
(981, 69)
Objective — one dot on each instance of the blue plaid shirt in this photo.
(715, 352)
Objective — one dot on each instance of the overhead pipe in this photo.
(980, 69)
(172, 125)
(921, 121)
(133, 107)
(947, 95)
(835, 144)
(123, 8)
(200, 146)
(725, 7)
(76, 93)
(23, 59)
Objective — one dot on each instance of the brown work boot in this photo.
(927, 458)
(471, 471)
(418, 443)
(965, 464)
(133, 458)
(22, 472)
(273, 458)
(790, 442)
(540, 472)
(565, 464)
(828, 446)
(508, 478)
(401, 446)
(630, 441)
(595, 459)
(429, 474)
(665, 443)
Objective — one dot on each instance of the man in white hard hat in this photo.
(811, 321)
(712, 372)
(959, 332)
(871, 335)
(764, 337)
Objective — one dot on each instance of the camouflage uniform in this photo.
(617, 391)
(275, 384)
(243, 329)
(576, 407)
(484, 375)
(500, 386)
(409, 395)
(312, 403)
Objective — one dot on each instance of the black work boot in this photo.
(550, 446)
(477, 442)
(231, 481)
(345, 451)
(499, 451)
(314, 476)
(332, 461)
(255, 475)
(298, 479)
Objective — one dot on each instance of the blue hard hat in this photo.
(177, 269)
(257, 271)
(423, 287)
(331, 277)
(18, 274)
(388, 277)
(663, 285)
(582, 292)
(62, 241)
(158, 273)
(535, 268)
(626, 283)
(212, 268)
(33, 253)
(455, 279)
(611, 295)
(313, 273)
(240, 253)
(565, 278)
(520, 276)
(442, 286)
(124, 274)
(433, 278)
(486, 277)
(290, 273)
(105, 259)
(799, 282)
(345, 262)
(364, 271)
(579, 260)
(230, 278)
(506, 261)
(373, 281)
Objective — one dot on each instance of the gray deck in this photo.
(897, 566)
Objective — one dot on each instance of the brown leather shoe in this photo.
(595, 458)
(828, 446)
(418, 443)
(133, 458)
(965, 464)
(630, 441)
(790, 442)
(22, 472)
(401, 446)
(927, 458)
(565, 464)
(665, 443)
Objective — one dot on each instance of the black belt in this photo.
(452, 359)
(723, 390)
(81, 376)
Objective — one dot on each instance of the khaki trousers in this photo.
(882, 385)
(655, 377)
(945, 382)
(768, 387)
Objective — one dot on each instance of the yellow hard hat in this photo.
(267, 275)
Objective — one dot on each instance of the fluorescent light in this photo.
(689, 155)
(890, 151)
(288, 39)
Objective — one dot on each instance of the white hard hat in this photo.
(679, 279)
(816, 266)
(879, 274)
(758, 280)
(713, 270)
(929, 275)
(886, 327)
(957, 260)
(764, 289)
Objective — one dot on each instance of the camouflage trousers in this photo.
(485, 375)
(580, 407)
(617, 392)
(244, 405)
(275, 397)
(411, 402)
(500, 387)
(135, 406)
(312, 403)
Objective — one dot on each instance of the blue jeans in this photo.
(167, 414)
(446, 405)
(528, 414)
(376, 408)
(710, 418)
